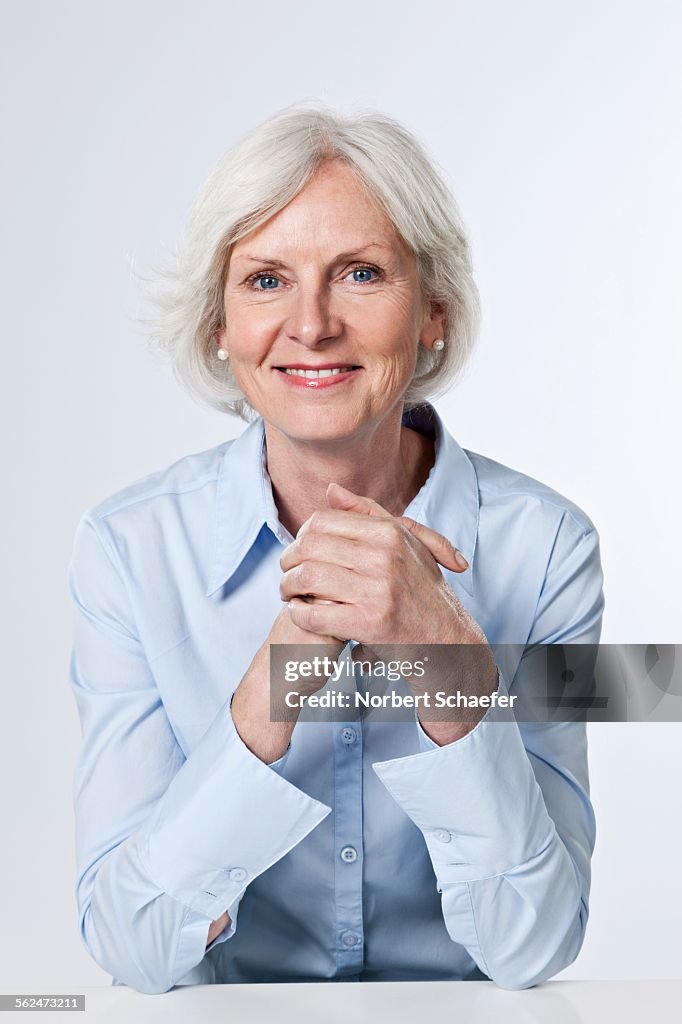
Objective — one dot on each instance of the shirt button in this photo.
(237, 874)
(442, 835)
(349, 854)
(348, 736)
(350, 939)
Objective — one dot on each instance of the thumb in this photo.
(341, 498)
(440, 547)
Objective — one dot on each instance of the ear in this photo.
(435, 323)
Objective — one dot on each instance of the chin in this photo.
(317, 425)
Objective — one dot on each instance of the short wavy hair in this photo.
(256, 179)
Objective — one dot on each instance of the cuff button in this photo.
(237, 874)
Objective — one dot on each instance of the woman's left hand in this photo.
(373, 577)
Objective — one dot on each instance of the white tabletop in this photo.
(455, 1002)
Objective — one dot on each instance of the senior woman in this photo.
(323, 292)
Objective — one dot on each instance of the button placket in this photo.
(348, 802)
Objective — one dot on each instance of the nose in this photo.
(313, 320)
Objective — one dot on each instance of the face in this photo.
(325, 283)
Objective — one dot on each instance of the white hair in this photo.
(256, 179)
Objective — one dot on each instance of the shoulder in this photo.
(155, 531)
(156, 517)
(503, 489)
(186, 476)
(537, 568)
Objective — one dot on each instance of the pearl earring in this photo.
(439, 345)
(222, 354)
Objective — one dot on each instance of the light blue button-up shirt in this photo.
(367, 852)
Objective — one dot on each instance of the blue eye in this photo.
(266, 278)
(363, 270)
(269, 282)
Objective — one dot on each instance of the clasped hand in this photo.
(355, 571)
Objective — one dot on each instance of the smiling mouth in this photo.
(315, 373)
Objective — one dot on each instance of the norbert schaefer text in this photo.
(327, 668)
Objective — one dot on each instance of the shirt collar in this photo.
(448, 501)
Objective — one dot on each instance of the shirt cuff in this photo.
(425, 741)
(476, 800)
(193, 934)
(225, 818)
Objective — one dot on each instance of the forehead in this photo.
(333, 211)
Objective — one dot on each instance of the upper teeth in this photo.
(319, 373)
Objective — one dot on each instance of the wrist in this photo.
(444, 733)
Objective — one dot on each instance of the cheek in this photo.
(246, 337)
(397, 309)
(245, 318)
(397, 339)
(395, 370)
(396, 331)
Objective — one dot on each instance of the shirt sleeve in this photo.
(164, 843)
(505, 810)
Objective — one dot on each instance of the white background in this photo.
(559, 129)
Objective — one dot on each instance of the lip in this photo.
(316, 383)
(311, 366)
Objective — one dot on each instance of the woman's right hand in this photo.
(285, 631)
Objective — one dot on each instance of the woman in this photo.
(323, 292)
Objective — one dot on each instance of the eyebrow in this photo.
(341, 256)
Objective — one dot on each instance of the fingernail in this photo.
(461, 560)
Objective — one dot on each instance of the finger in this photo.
(372, 529)
(341, 498)
(440, 547)
(321, 580)
(351, 554)
(337, 620)
(344, 523)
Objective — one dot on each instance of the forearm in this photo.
(510, 836)
(251, 712)
(468, 668)
(137, 933)
(147, 906)
(523, 925)
(251, 706)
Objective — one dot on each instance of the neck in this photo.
(387, 462)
